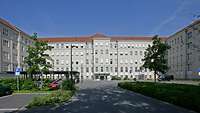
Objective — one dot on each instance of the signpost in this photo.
(17, 73)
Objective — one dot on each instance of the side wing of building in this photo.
(13, 45)
(184, 54)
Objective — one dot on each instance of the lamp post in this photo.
(71, 62)
(117, 58)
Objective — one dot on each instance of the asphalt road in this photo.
(14, 102)
(106, 97)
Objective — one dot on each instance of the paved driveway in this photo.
(106, 97)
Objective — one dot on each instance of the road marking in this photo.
(8, 109)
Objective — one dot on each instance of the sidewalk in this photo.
(15, 102)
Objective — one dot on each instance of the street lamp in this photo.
(117, 58)
(71, 62)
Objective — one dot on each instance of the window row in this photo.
(105, 69)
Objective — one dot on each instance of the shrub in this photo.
(27, 84)
(53, 98)
(68, 85)
(11, 82)
(5, 90)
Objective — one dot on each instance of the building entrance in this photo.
(101, 76)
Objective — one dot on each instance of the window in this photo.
(57, 61)
(81, 69)
(62, 45)
(96, 51)
(92, 69)
(14, 46)
(6, 55)
(57, 45)
(116, 69)
(111, 69)
(101, 51)
(136, 53)
(140, 52)
(87, 69)
(5, 43)
(96, 69)
(101, 69)
(136, 69)
(189, 34)
(107, 70)
(5, 32)
(131, 68)
(131, 52)
(121, 69)
(76, 62)
(111, 61)
(87, 61)
(106, 51)
(126, 69)
(96, 60)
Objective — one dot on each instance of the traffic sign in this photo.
(17, 71)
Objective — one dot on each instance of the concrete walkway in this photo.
(106, 97)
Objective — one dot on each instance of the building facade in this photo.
(184, 54)
(13, 44)
(100, 57)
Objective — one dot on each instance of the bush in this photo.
(68, 85)
(115, 78)
(53, 98)
(11, 82)
(27, 84)
(5, 90)
(180, 94)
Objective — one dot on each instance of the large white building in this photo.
(184, 54)
(100, 57)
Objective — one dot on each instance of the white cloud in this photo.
(171, 18)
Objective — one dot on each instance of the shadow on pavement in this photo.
(109, 99)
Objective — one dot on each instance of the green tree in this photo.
(37, 58)
(154, 58)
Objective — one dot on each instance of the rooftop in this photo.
(96, 36)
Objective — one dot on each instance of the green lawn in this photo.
(187, 96)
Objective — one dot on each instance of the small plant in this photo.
(68, 85)
(53, 98)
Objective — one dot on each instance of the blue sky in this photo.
(111, 17)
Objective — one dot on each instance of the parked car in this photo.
(55, 84)
(166, 78)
